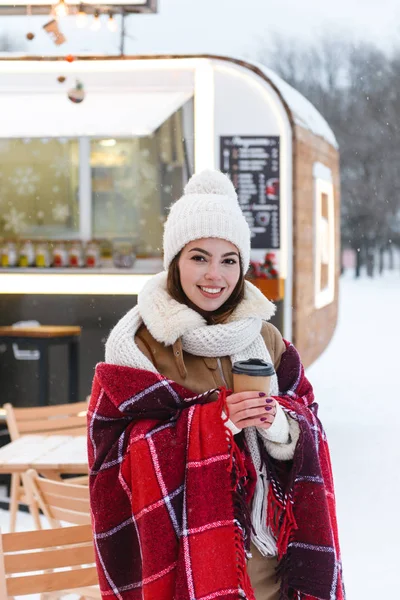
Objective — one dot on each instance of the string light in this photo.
(60, 9)
(95, 26)
(112, 23)
(81, 17)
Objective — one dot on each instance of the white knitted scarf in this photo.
(240, 338)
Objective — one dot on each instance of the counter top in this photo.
(40, 331)
(84, 281)
(142, 266)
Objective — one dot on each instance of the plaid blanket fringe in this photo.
(301, 501)
(240, 498)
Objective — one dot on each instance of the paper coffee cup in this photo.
(252, 375)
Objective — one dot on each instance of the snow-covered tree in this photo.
(355, 87)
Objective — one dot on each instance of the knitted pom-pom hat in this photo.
(208, 208)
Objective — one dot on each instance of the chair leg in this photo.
(32, 504)
(33, 509)
(14, 497)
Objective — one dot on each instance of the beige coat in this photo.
(197, 373)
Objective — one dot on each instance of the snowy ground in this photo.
(354, 381)
(355, 385)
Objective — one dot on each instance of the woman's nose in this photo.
(213, 271)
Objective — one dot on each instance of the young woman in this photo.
(198, 492)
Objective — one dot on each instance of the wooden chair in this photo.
(48, 561)
(59, 500)
(61, 419)
(64, 419)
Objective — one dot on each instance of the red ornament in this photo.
(69, 58)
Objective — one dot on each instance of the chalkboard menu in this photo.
(252, 162)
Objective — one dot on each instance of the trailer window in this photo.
(39, 188)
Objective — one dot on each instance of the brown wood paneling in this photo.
(312, 328)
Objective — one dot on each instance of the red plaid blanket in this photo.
(168, 483)
(301, 503)
(161, 479)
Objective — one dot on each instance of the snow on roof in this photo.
(304, 113)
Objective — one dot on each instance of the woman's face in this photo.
(209, 270)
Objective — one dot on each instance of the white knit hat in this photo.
(208, 208)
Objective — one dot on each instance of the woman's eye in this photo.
(198, 258)
(230, 261)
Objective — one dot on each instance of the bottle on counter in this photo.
(9, 254)
(106, 253)
(26, 255)
(60, 254)
(75, 254)
(42, 254)
(124, 255)
(92, 258)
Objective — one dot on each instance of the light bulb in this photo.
(96, 24)
(81, 17)
(60, 9)
(112, 23)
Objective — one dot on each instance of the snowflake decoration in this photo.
(14, 221)
(61, 165)
(24, 179)
(61, 213)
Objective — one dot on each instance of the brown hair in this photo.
(220, 315)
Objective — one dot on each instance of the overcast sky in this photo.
(237, 27)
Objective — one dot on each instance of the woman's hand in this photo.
(249, 409)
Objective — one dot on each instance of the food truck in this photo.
(93, 150)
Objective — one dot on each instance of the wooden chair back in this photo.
(45, 561)
(62, 419)
(59, 500)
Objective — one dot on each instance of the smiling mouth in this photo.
(211, 292)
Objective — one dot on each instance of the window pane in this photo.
(39, 188)
(134, 181)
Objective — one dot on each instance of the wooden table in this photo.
(42, 337)
(45, 453)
